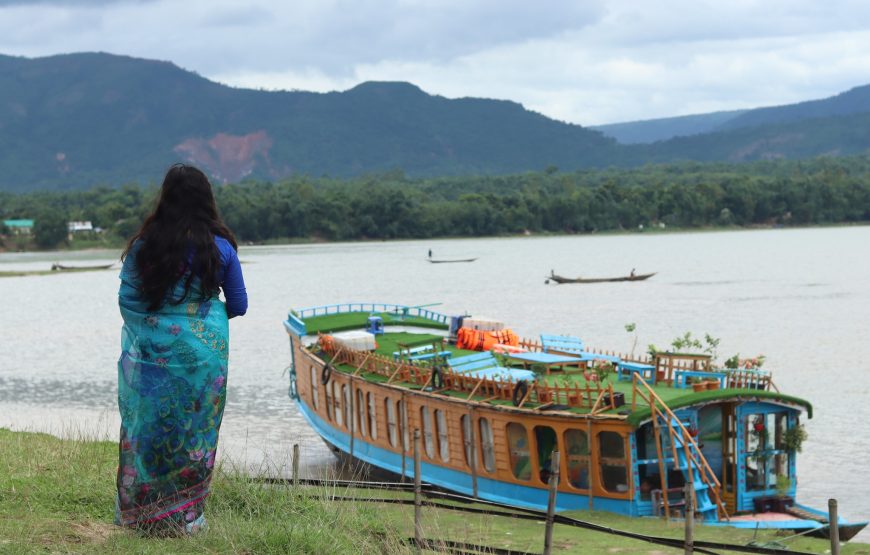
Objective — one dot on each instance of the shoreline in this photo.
(280, 242)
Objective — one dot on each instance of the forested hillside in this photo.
(81, 120)
(77, 120)
(390, 206)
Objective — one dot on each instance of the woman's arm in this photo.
(234, 284)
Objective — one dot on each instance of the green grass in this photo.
(56, 496)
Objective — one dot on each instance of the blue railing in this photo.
(296, 319)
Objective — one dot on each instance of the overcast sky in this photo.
(587, 61)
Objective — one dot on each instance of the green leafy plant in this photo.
(602, 370)
(689, 343)
(733, 362)
(632, 328)
(783, 485)
(794, 437)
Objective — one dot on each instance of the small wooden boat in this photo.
(450, 261)
(637, 277)
(58, 267)
(631, 432)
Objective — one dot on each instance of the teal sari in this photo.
(172, 377)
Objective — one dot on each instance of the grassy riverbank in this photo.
(56, 496)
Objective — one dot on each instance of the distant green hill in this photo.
(73, 121)
(854, 101)
(662, 129)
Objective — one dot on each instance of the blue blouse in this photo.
(229, 277)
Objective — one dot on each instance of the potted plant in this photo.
(794, 437)
(782, 501)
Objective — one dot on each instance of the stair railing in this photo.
(658, 408)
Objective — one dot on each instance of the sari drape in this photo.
(172, 377)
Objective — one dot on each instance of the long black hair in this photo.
(177, 238)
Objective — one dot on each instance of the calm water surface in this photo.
(800, 297)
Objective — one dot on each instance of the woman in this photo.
(174, 345)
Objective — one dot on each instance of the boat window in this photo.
(613, 467)
(360, 420)
(336, 402)
(373, 416)
(518, 451)
(546, 443)
(468, 439)
(428, 438)
(767, 456)
(315, 388)
(391, 422)
(577, 448)
(403, 424)
(328, 390)
(443, 438)
(348, 410)
(486, 445)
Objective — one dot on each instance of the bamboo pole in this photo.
(295, 464)
(551, 503)
(418, 528)
(689, 542)
(834, 524)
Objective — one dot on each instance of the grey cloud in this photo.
(68, 3)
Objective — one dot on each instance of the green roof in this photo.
(18, 223)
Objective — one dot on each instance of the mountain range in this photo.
(76, 120)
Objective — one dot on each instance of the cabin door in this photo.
(728, 477)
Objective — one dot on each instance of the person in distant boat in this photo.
(172, 373)
(632, 272)
(430, 253)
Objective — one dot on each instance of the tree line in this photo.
(392, 205)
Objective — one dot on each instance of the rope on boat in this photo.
(509, 511)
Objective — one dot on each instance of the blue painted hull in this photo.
(461, 482)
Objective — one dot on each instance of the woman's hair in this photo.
(177, 238)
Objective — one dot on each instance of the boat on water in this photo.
(630, 277)
(450, 260)
(492, 408)
(58, 267)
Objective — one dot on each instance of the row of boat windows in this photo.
(613, 468)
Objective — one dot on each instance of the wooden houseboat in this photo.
(492, 408)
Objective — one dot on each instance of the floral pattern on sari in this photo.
(172, 377)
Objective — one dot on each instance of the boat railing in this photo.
(745, 378)
(341, 308)
(590, 396)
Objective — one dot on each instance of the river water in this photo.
(800, 297)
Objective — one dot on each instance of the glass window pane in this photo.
(348, 415)
(373, 416)
(486, 444)
(360, 413)
(336, 400)
(546, 443)
(328, 390)
(443, 437)
(403, 424)
(577, 447)
(518, 451)
(613, 467)
(467, 439)
(391, 422)
(428, 437)
(781, 426)
(315, 389)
